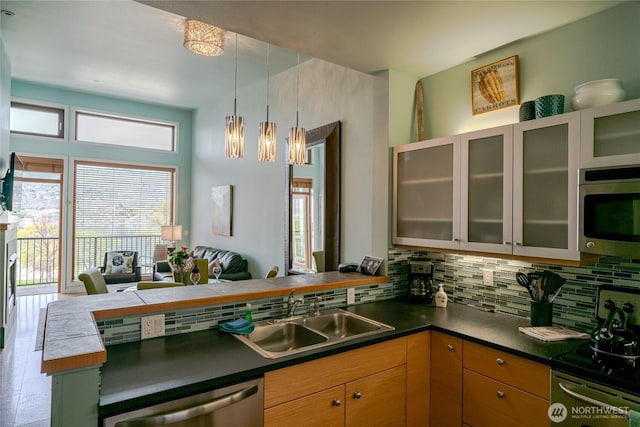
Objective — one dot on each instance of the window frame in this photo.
(33, 105)
(75, 112)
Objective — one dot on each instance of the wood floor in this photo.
(25, 393)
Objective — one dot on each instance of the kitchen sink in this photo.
(278, 338)
(341, 324)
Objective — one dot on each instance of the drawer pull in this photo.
(357, 395)
(500, 361)
(500, 394)
(450, 347)
(336, 402)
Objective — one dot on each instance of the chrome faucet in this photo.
(292, 303)
(316, 306)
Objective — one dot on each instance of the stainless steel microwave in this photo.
(610, 211)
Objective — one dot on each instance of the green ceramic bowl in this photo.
(549, 105)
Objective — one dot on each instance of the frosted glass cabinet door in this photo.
(611, 135)
(486, 183)
(426, 202)
(545, 187)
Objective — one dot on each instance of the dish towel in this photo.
(238, 326)
(634, 418)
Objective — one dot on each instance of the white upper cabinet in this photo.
(486, 187)
(545, 187)
(611, 135)
(426, 209)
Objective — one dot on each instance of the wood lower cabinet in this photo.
(501, 389)
(321, 409)
(446, 380)
(364, 387)
(488, 402)
(377, 400)
(418, 379)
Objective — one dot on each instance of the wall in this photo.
(69, 150)
(600, 46)
(5, 104)
(328, 93)
(604, 45)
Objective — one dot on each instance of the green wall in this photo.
(70, 151)
(604, 45)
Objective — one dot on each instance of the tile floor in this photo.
(25, 393)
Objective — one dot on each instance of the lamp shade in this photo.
(171, 233)
(203, 38)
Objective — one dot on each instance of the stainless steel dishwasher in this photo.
(237, 405)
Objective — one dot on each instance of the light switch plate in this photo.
(487, 277)
(351, 296)
(152, 326)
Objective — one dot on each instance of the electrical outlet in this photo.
(351, 296)
(487, 277)
(152, 326)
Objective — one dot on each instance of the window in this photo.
(301, 223)
(29, 119)
(119, 207)
(129, 132)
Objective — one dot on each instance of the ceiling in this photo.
(128, 49)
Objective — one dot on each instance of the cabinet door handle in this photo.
(336, 402)
(500, 394)
(357, 395)
(450, 347)
(506, 243)
(500, 361)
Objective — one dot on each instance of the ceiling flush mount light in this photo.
(297, 137)
(234, 133)
(267, 131)
(203, 38)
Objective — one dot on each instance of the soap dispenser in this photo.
(441, 297)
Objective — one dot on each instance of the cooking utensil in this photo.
(551, 283)
(535, 284)
(523, 280)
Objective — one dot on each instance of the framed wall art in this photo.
(222, 203)
(495, 86)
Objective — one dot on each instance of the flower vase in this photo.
(182, 277)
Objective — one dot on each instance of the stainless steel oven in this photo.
(610, 211)
(576, 402)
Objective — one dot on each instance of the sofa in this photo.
(234, 267)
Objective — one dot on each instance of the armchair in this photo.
(121, 267)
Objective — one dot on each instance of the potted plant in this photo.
(181, 265)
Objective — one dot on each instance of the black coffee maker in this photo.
(420, 281)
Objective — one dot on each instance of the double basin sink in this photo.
(278, 338)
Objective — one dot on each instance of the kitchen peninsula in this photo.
(91, 381)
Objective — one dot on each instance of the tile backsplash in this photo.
(462, 278)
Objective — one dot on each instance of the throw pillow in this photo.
(212, 264)
(119, 262)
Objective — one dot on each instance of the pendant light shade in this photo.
(203, 38)
(267, 131)
(267, 141)
(234, 130)
(297, 136)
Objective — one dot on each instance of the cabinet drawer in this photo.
(299, 380)
(513, 370)
(317, 410)
(491, 403)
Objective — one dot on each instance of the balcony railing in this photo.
(38, 256)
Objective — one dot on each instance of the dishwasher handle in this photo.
(188, 413)
(589, 400)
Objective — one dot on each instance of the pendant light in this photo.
(234, 131)
(203, 38)
(297, 137)
(267, 131)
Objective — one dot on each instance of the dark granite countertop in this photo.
(146, 372)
